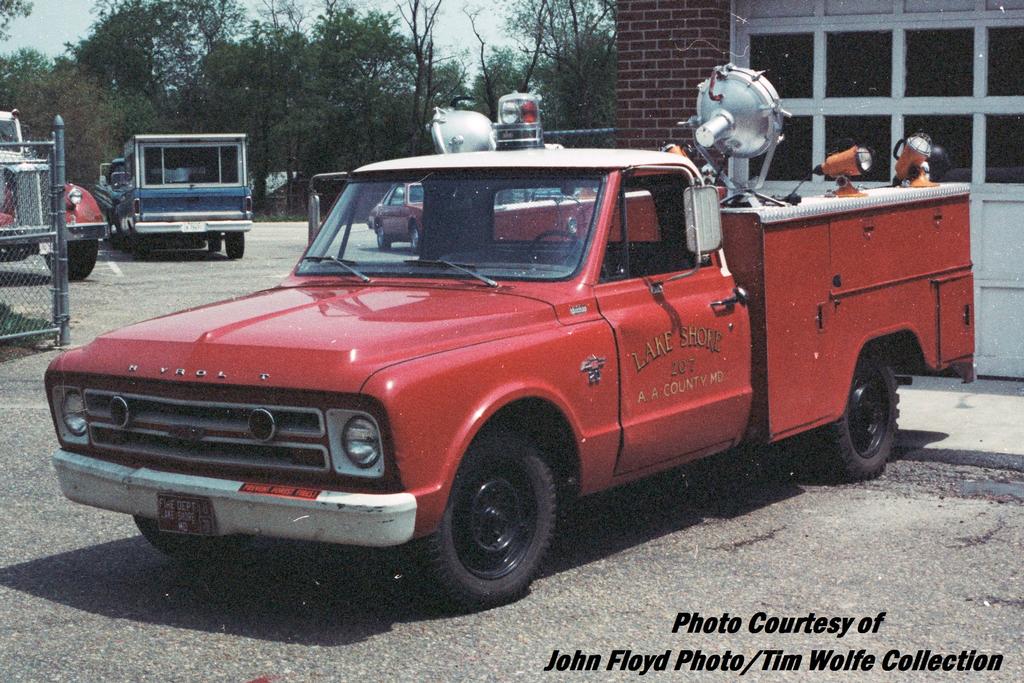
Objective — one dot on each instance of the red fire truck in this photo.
(453, 398)
(24, 214)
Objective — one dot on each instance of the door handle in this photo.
(739, 296)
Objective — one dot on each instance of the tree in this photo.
(420, 17)
(12, 9)
(362, 67)
(501, 70)
(574, 41)
(42, 88)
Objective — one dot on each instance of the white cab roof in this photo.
(603, 159)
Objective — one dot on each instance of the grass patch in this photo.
(16, 323)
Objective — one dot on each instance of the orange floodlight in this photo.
(675, 149)
(912, 154)
(842, 165)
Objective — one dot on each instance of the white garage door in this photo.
(875, 70)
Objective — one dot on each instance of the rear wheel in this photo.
(235, 243)
(214, 244)
(184, 547)
(82, 256)
(862, 440)
(497, 525)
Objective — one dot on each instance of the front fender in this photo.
(437, 404)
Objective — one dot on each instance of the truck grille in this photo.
(206, 432)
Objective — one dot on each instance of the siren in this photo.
(912, 154)
(518, 125)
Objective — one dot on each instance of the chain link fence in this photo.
(33, 261)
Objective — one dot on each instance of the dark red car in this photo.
(399, 216)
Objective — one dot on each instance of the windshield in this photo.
(525, 227)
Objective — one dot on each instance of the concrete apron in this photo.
(979, 424)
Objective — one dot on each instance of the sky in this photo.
(56, 22)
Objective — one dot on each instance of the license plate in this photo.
(185, 515)
(193, 227)
(45, 248)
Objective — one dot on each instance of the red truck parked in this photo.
(457, 400)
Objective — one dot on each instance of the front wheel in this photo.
(140, 246)
(862, 440)
(383, 243)
(234, 243)
(82, 255)
(414, 237)
(497, 525)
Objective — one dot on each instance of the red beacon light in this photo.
(518, 125)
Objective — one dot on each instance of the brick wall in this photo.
(665, 47)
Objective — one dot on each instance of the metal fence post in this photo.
(61, 303)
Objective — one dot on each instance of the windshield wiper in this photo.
(461, 267)
(344, 263)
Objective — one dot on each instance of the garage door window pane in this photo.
(1006, 61)
(792, 159)
(954, 135)
(873, 131)
(788, 61)
(1004, 159)
(859, 65)
(953, 50)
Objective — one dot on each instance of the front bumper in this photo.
(88, 231)
(200, 227)
(332, 517)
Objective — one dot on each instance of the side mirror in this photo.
(703, 219)
(313, 205)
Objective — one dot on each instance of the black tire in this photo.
(214, 244)
(118, 237)
(414, 237)
(862, 441)
(383, 243)
(497, 526)
(82, 256)
(186, 548)
(140, 247)
(234, 243)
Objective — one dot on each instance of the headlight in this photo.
(75, 196)
(72, 411)
(362, 442)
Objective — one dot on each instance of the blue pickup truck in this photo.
(179, 192)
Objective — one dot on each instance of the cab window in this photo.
(655, 241)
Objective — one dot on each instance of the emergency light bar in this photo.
(518, 125)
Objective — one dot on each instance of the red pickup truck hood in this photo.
(317, 338)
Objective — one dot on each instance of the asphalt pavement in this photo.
(935, 544)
